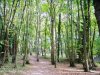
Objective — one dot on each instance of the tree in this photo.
(53, 44)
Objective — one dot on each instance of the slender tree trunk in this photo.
(97, 12)
(26, 40)
(14, 54)
(6, 42)
(79, 33)
(53, 45)
(84, 10)
(38, 28)
(45, 48)
(72, 52)
(91, 49)
(59, 37)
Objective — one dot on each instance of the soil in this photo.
(44, 67)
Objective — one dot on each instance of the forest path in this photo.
(44, 67)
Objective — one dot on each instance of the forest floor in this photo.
(44, 67)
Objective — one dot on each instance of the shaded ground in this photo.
(44, 67)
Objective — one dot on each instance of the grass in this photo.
(98, 64)
(9, 67)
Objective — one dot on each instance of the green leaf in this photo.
(45, 7)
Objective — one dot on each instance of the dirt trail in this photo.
(44, 67)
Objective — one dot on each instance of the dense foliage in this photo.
(60, 28)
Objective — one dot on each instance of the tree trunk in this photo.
(72, 51)
(14, 54)
(97, 12)
(53, 44)
(86, 23)
(59, 37)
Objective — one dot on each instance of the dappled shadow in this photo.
(44, 67)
